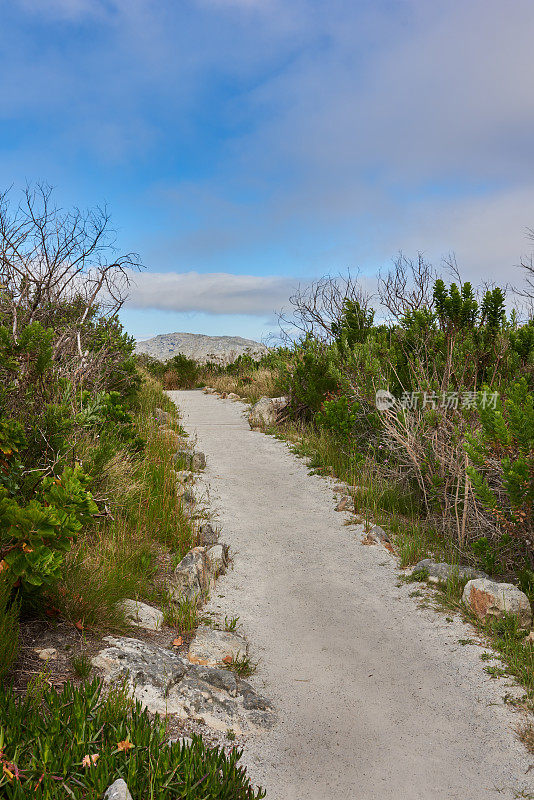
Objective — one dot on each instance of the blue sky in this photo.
(244, 146)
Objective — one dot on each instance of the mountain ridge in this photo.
(200, 347)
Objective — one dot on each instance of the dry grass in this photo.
(119, 556)
(260, 383)
(526, 735)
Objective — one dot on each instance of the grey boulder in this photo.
(486, 598)
(218, 555)
(208, 535)
(118, 791)
(439, 572)
(193, 576)
(192, 461)
(141, 615)
(166, 684)
(266, 411)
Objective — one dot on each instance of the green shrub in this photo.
(311, 376)
(338, 416)
(36, 535)
(181, 373)
(75, 742)
(502, 461)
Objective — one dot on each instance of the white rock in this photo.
(47, 653)
(266, 411)
(141, 615)
(489, 599)
(186, 476)
(183, 740)
(218, 555)
(233, 396)
(118, 791)
(210, 647)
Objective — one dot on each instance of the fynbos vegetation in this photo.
(429, 412)
(88, 510)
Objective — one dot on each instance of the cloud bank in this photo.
(212, 293)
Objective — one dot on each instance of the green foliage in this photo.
(311, 377)
(455, 307)
(76, 742)
(105, 412)
(526, 582)
(36, 535)
(355, 325)
(502, 459)
(493, 314)
(339, 416)
(490, 553)
(182, 373)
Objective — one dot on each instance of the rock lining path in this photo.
(376, 698)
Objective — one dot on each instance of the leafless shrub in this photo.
(407, 286)
(317, 306)
(60, 268)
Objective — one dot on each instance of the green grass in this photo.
(230, 623)
(118, 556)
(74, 743)
(81, 665)
(242, 666)
(183, 614)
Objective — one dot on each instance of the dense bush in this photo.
(181, 373)
(501, 451)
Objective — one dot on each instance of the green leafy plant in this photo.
(35, 536)
(77, 741)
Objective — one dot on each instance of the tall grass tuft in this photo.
(9, 626)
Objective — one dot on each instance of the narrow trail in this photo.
(377, 700)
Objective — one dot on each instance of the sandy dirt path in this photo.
(377, 700)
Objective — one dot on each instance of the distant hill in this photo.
(221, 349)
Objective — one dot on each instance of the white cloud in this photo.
(213, 293)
